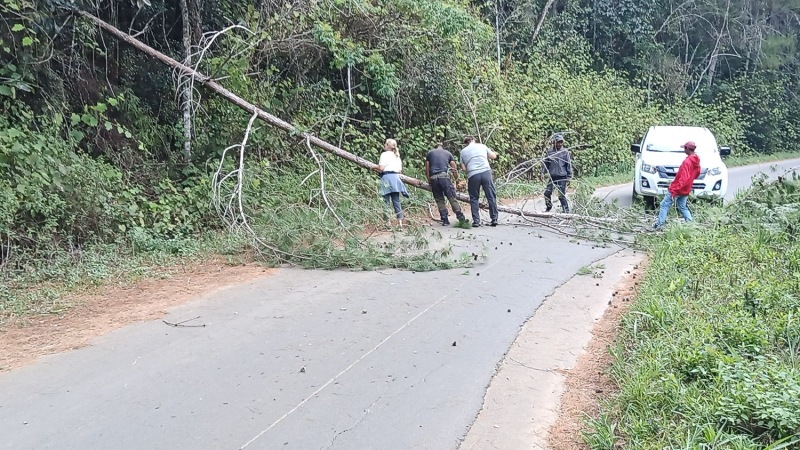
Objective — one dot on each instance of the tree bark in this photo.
(497, 32)
(289, 128)
(185, 87)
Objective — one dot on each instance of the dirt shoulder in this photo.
(25, 339)
(588, 383)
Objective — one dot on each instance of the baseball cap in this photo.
(558, 137)
(690, 145)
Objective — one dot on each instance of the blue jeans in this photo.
(474, 185)
(680, 202)
(394, 200)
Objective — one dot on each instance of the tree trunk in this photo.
(541, 20)
(712, 70)
(497, 31)
(291, 129)
(185, 86)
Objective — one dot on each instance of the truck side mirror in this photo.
(724, 151)
(637, 148)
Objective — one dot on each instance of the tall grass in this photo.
(708, 353)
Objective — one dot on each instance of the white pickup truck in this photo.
(659, 155)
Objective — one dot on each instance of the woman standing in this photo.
(390, 166)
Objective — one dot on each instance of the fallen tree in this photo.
(291, 129)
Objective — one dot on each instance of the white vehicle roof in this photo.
(670, 139)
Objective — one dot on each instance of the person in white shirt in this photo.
(475, 161)
(390, 166)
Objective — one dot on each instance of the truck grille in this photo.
(671, 171)
(665, 184)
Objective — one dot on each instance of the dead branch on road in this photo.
(183, 324)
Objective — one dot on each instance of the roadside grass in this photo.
(709, 355)
(40, 284)
(744, 160)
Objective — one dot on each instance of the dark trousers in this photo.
(442, 188)
(474, 185)
(394, 199)
(561, 185)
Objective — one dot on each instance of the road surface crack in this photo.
(367, 410)
(531, 367)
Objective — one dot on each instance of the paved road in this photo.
(300, 359)
(739, 178)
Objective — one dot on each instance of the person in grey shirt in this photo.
(475, 161)
(557, 168)
(438, 165)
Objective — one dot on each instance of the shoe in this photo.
(445, 223)
(548, 208)
(657, 227)
(476, 224)
(494, 223)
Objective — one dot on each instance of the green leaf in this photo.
(23, 86)
(108, 125)
(89, 119)
(6, 91)
(18, 27)
(27, 41)
(112, 101)
(101, 107)
(75, 119)
(77, 135)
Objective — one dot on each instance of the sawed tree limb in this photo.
(286, 126)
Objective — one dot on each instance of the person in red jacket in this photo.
(681, 186)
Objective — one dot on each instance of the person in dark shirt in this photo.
(438, 165)
(557, 169)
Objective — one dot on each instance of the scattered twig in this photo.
(182, 324)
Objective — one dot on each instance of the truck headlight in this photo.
(648, 168)
(714, 171)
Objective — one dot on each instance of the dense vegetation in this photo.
(95, 145)
(710, 352)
